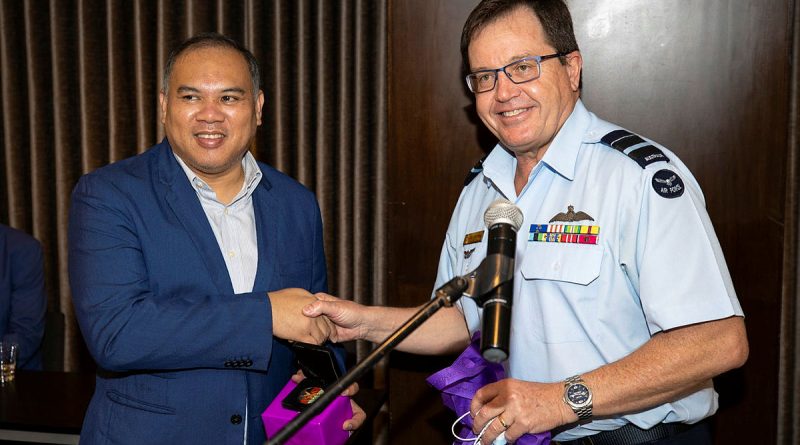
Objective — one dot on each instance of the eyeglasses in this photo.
(519, 71)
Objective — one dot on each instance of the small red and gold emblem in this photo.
(309, 395)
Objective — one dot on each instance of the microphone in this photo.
(503, 219)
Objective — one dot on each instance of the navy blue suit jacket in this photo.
(22, 298)
(179, 354)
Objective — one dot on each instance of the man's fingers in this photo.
(314, 309)
(359, 416)
(322, 330)
(351, 390)
(324, 305)
(325, 297)
(298, 376)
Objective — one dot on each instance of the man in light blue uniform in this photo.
(579, 303)
(623, 306)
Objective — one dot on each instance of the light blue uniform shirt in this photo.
(234, 227)
(656, 264)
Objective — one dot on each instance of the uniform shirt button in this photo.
(236, 419)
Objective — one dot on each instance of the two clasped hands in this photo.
(325, 317)
(294, 319)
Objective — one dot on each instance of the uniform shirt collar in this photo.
(561, 156)
(252, 176)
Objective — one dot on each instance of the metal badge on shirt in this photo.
(470, 242)
(566, 233)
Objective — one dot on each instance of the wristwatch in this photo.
(579, 397)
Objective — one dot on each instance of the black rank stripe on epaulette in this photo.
(477, 168)
(644, 155)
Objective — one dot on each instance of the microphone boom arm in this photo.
(498, 268)
(445, 296)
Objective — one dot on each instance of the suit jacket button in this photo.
(236, 419)
(228, 364)
(248, 363)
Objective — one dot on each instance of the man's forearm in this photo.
(668, 367)
(445, 332)
(671, 365)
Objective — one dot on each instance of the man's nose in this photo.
(505, 89)
(210, 112)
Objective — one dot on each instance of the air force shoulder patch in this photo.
(668, 184)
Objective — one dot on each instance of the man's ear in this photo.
(574, 68)
(259, 106)
(162, 100)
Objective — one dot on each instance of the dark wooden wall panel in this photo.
(432, 145)
(707, 78)
(710, 80)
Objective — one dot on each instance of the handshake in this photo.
(298, 315)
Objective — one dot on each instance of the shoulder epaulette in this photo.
(476, 169)
(634, 147)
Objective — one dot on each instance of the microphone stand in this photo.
(445, 296)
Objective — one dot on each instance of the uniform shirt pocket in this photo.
(557, 298)
(571, 263)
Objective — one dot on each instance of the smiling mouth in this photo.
(210, 136)
(513, 113)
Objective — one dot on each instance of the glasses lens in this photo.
(481, 81)
(523, 71)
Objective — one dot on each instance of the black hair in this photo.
(212, 40)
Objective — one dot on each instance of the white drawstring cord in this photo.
(500, 440)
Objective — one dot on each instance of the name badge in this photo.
(474, 237)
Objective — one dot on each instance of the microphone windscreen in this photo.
(503, 211)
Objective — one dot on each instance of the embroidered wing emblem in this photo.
(667, 184)
(667, 181)
(571, 216)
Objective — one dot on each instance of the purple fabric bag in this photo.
(460, 381)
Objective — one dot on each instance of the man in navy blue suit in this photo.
(190, 263)
(22, 298)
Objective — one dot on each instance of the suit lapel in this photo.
(183, 201)
(267, 211)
